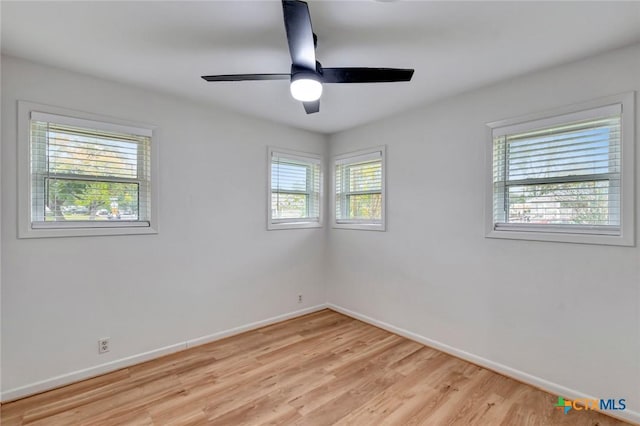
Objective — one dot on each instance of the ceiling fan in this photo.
(307, 75)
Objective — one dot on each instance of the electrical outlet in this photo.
(103, 345)
(299, 298)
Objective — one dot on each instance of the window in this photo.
(295, 186)
(86, 177)
(360, 190)
(565, 177)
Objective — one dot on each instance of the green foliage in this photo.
(92, 196)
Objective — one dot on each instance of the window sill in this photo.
(360, 226)
(563, 237)
(85, 232)
(293, 225)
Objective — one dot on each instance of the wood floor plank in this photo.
(343, 403)
(399, 402)
(319, 369)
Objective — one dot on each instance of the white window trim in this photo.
(25, 228)
(362, 226)
(277, 224)
(627, 176)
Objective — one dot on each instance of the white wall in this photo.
(0, 233)
(212, 267)
(565, 313)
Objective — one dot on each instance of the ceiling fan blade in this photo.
(245, 77)
(311, 107)
(365, 75)
(297, 23)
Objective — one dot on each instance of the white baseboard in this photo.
(252, 326)
(87, 373)
(545, 385)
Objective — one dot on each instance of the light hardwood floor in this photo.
(319, 369)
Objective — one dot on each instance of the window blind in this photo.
(88, 174)
(358, 186)
(295, 188)
(561, 177)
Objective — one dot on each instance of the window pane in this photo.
(570, 150)
(87, 176)
(365, 177)
(359, 189)
(289, 176)
(365, 206)
(72, 150)
(73, 200)
(576, 203)
(289, 206)
(295, 188)
(566, 174)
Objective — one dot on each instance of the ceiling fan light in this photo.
(306, 89)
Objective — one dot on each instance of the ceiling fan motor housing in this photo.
(306, 84)
(303, 72)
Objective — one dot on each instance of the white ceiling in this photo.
(453, 46)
